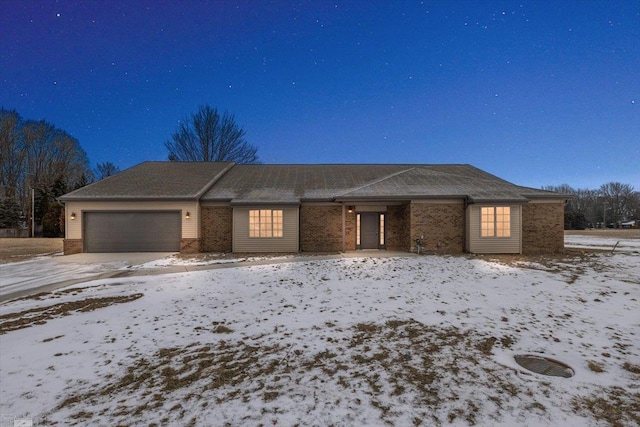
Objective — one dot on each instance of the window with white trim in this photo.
(265, 223)
(495, 221)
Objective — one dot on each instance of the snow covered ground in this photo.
(40, 271)
(602, 243)
(426, 340)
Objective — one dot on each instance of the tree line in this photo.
(39, 162)
(606, 207)
(36, 158)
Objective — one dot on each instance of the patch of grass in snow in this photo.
(40, 315)
(614, 405)
(633, 368)
(402, 371)
(595, 366)
(423, 366)
(399, 364)
(218, 328)
(571, 264)
(187, 371)
(40, 296)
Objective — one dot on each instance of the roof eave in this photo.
(557, 196)
(398, 198)
(265, 203)
(130, 199)
(519, 201)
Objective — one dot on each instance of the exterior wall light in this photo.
(187, 215)
(350, 209)
(73, 216)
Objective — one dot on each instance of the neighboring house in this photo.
(223, 207)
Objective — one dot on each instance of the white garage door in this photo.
(157, 231)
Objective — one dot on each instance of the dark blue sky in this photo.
(537, 93)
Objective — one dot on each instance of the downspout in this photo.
(464, 224)
(299, 227)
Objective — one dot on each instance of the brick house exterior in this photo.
(216, 229)
(399, 228)
(321, 229)
(222, 207)
(442, 226)
(542, 228)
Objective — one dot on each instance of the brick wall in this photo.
(398, 232)
(216, 229)
(72, 246)
(350, 228)
(189, 246)
(321, 228)
(441, 224)
(542, 228)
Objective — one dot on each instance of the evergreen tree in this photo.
(9, 213)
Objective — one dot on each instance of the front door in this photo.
(369, 229)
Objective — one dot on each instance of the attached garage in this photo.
(152, 207)
(143, 231)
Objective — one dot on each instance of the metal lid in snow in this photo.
(544, 365)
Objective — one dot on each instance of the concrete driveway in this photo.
(127, 259)
(43, 274)
(48, 273)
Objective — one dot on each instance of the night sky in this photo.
(538, 93)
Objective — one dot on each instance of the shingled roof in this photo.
(292, 184)
(154, 181)
(250, 184)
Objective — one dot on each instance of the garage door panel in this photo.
(157, 231)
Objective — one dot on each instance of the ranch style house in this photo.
(192, 207)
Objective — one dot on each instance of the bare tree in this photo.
(618, 197)
(564, 189)
(53, 154)
(611, 203)
(105, 169)
(12, 153)
(37, 157)
(634, 206)
(208, 137)
(586, 201)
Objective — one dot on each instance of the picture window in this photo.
(265, 223)
(495, 221)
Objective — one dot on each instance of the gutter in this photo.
(130, 199)
(264, 203)
(397, 198)
(464, 224)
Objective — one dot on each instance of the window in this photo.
(381, 234)
(495, 221)
(265, 223)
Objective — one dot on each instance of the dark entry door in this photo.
(369, 229)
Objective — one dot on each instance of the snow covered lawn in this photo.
(615, 243)
(400, 341)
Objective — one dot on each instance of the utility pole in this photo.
(33, 212)
(31, 186)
